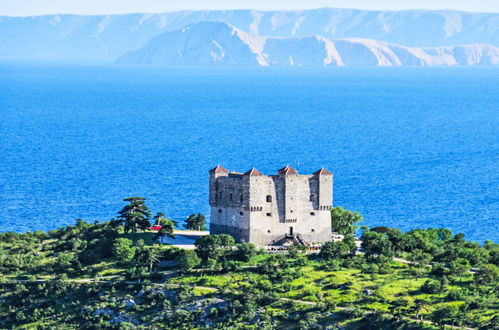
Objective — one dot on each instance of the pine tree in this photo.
(135, 215)
(195, 222)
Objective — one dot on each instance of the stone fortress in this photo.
(271, 209)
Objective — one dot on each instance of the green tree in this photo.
(431, 286)
(135, 215)
(187, 259)
(376, 244)
(167, 226)
(245, 251)
(66, 262)
(123, 250)
(459, 267)
(488, 275)
(343, 221)
(444, 315)
(420, 260)
(334, 250)
(350, 241)
(398, 307)
(214, 247)
(152, 256)
(195, 222)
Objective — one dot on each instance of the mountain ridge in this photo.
(219, 43)
(105, 37)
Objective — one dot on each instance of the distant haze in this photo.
(107, 37)
(96, 7)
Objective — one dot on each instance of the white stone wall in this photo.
(300, 202)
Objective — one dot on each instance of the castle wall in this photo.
(264, 209)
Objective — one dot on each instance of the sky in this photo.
(42, 7)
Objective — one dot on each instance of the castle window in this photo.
(312, 213)
(269, 214)
(268, 231)
(219, 210)
(241, 199)
(313, 230)
(241, 213)
(291, 211)
(269, 199)
(312, 197)
(230, 197)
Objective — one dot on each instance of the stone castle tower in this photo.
(264, 210)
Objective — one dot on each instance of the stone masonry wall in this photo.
(264, 209)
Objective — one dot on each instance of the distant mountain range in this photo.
(274, 37)
(218, 43)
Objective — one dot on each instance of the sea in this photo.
(409, 147)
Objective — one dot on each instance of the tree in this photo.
(195, 222)
(419, 306)
(431, 286)
(167, 226)
(376, 244)
(123, 250)
(343, 221)
(245, 251)
(420, 259)
(398, 306)
(488, 275)
(135, 215)
(214, 246)
(459, 267)
(66, 262)
(350, 241)
(187, 259)
(334, 250)
(444, 315)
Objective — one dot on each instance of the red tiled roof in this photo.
(218, 169)
(323, 171)
(253, 171)
(287, 170)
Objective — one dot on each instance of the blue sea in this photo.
(409, 147)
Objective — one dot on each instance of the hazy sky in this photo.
(39, 7)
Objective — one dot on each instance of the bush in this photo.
(431, 286)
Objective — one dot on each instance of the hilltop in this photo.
(115, 275)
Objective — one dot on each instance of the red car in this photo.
(156, 227)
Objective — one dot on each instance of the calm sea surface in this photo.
(409, 147)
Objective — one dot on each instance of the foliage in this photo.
(94, 276)
(214, 247)
(167, 226)
(135, 216)
(376, 244)
(123, 250)
(245, 252)
(188, 259)
(343, 221)
(335, 250)
(196, 222)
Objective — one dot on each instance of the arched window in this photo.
(241, 199)
(230, 197)
(269, 199)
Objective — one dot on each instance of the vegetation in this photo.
(196, 222)
(343, 221)
(114, 275)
